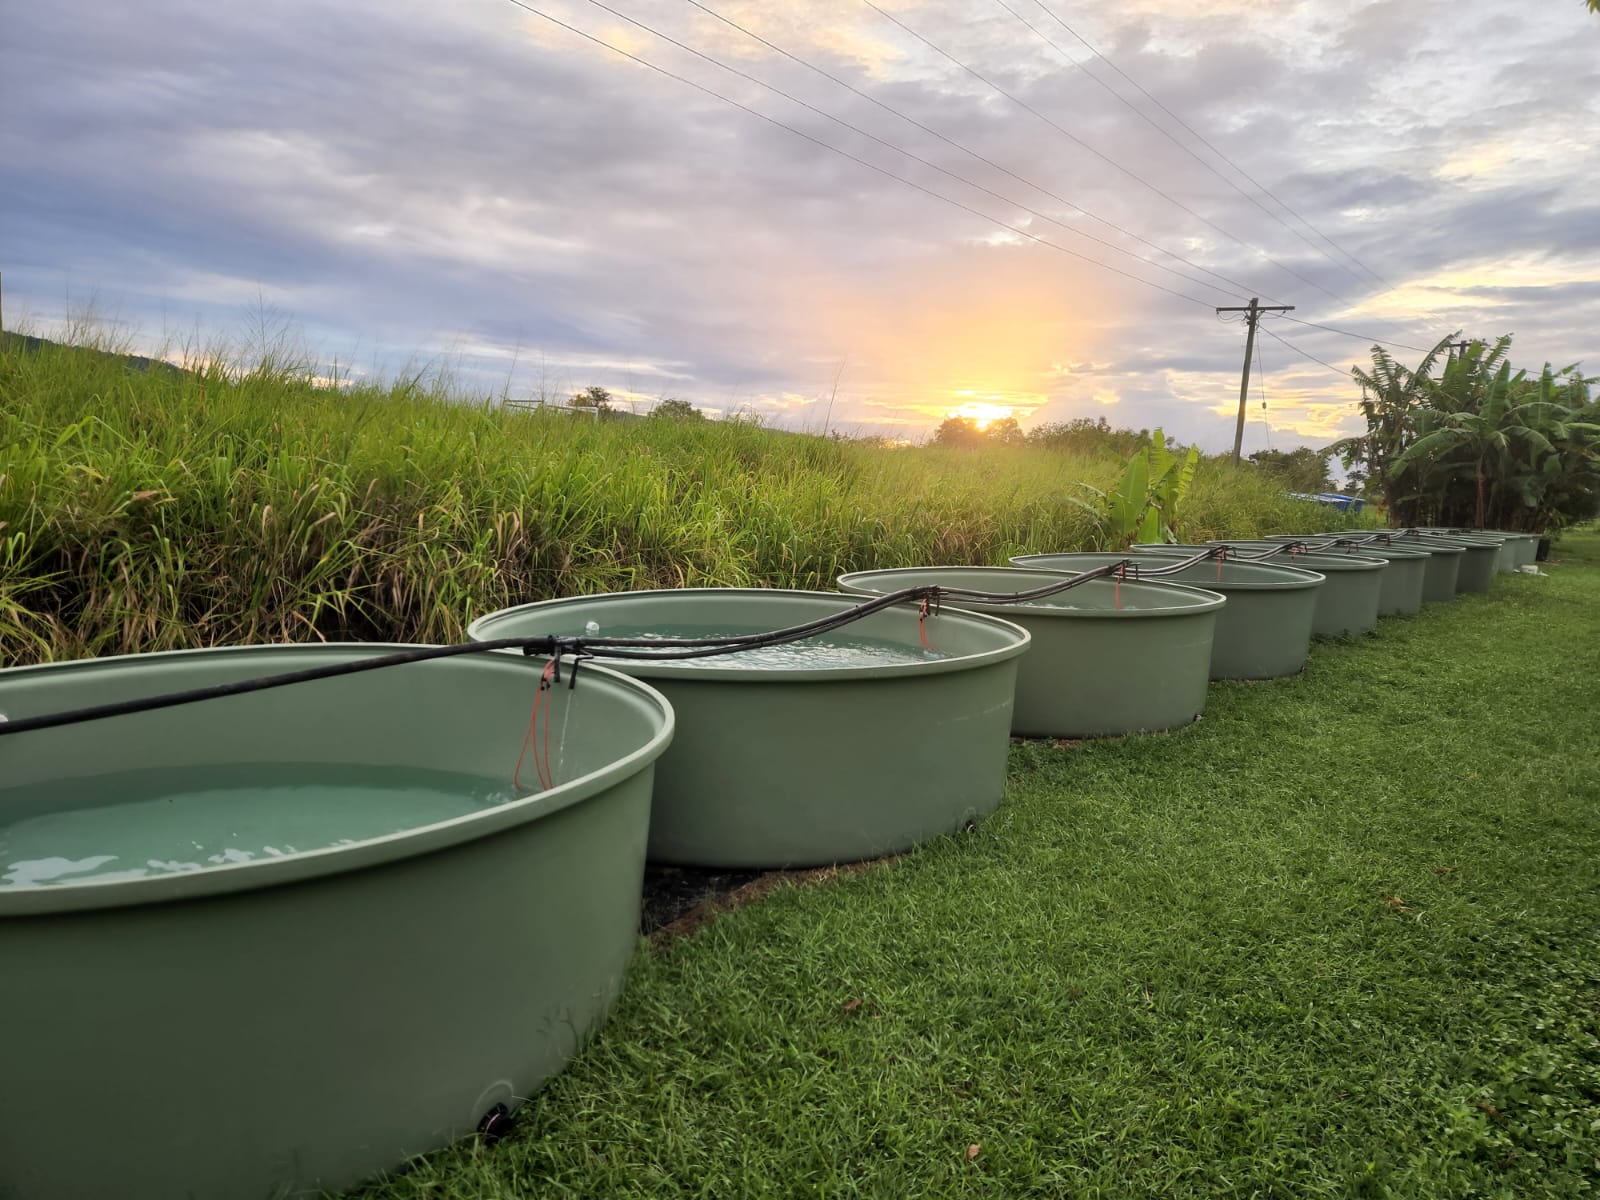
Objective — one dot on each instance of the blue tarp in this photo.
(1333, 499)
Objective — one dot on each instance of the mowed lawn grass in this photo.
(1341, 938)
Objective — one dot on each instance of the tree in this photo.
(1085, 435)
(1144, 505)
(1355, 484)
(1515, 451)
(1565, 484)
(1478, 438)
(1005, 432)
(966, 433)
(1481, 444)
(958, 432)
(1389, 395)
(1299, 470)
(592, 397)
(677, 410)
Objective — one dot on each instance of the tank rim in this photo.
(308, 865)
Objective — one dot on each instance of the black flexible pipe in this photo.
(634, 649)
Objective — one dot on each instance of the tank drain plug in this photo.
(495, 1124)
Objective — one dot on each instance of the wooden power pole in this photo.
(1252, 314)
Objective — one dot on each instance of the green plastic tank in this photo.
(1404, 580)
(1106, 658)
(830, 750)
(1441, 573)
(1263, 632)
(1442, 580)
(1478, 564)
(1347, 601)
(1526, 548)
(1505, 544)
(1350, 603)
(279, 942)
(1505, 561)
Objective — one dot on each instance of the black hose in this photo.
(240, 687)
(585, 647)
(1340, 542)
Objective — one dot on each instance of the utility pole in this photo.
(1252, 314)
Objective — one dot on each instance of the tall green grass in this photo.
(152, 509)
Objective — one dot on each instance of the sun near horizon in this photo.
(981, 413)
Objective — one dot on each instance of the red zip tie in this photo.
(922, 625)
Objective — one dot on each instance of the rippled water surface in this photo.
(170, 820)
(830, 651)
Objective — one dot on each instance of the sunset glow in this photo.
(981, 413)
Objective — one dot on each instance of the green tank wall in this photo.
(1479, 563)
(1263, 632)
(285, 1025)
(1093, 669)
(1347, 602)
(801, 767)
(1404, 579)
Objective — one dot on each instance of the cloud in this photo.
(412, 180)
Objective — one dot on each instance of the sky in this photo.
(1037, 207)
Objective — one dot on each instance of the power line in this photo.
(933, 166)
(1076, 140)
(1164, 132)
(1208, 144)
(991, 163)
(1339, 371)
(1360, 337)
(589, 37)
(964, 149)
(1204, 141)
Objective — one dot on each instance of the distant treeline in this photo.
(1299, 470)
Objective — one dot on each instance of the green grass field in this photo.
(1342, 938)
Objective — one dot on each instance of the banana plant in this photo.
(1144, 505)
(1482, 436)
(1486, 444)
(1390, 396)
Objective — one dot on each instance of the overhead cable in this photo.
(1203, 140)
(1360, 337)
(1339, 371)
(901, 150)
(1018, 231)
(1076, 140)
(964, 149)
